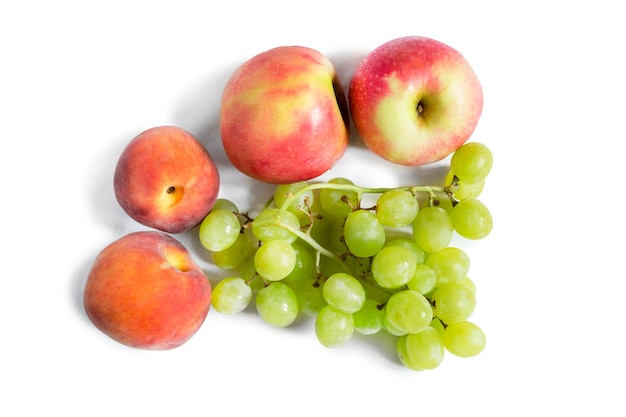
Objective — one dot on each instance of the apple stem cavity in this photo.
(420, 108)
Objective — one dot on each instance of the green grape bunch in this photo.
(314, 252)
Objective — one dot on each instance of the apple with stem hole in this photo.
(284, 116)
(144, 290)
(166, 179)
(415, 100)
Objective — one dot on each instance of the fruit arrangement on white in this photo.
(350, 257)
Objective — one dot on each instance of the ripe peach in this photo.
(144, 290)
(166, 179)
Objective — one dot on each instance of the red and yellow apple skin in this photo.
(415, 100)
(284, 116)
(166, 179)
(144, 290)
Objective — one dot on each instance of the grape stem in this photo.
(431, 190)
(306, 237)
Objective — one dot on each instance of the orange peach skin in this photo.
(166, 179)
(145, 291)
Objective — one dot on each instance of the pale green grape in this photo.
(219, 230)
(396, 208)
(432, 229)
(333, 327)
(336, 240)
(437, 325)
(369, 319)
(224, 203)
(393, 266)
(231, 295)
(424, 279)
(310, 297)
(451, 264)
(320, 230)
(408, 311)
(472, 162)
(465, 189)
(411, 245)
(392, 328)
(235, 255)
(338, 202)
(425, 349)
(471, 219)
(352, 265)
(464, 339)
(277, 304)
(403, 354)
(454, 303)
(247, 271)
(301, 205)
(305, 264)
(275, 259)
(265, 228)
(344, 292)
(469, 284)
(364, 234)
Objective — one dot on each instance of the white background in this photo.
(79, 80)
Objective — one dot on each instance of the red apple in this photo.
(166, 179)
(415, 100)
(284, 116)
(145, 291)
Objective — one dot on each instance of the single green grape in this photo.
(437, 325)
(464, 339)
(425, 349)
(333, 327)
(305, 264)
(471, 219)
(231, 295)
(320, 230)
(393, 266)
(392, 328)
(219, 230)
(338, 202)
(465, 189)
(471, 162)
(454, 303)
(275, 259)
(408, 311)
(235, 255)
(277, 304)
(396, 208)
(265, 226)
(403, 354)
(410, 244)
(468, 283)
(432, 229)
(344, 292)
(369, 319)
(424, 279)
(336, 239)
(247, 272)
(310, 297)
(226, 204)
(301, 205)
(364, 234)
(451, 264)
